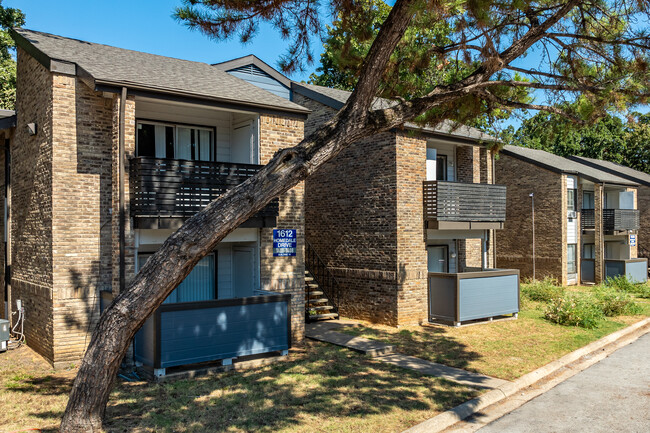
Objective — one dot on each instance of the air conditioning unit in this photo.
(4, 334)
(572, 214)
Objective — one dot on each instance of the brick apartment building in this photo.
(642, 199)
(404, 221)
(586, 219)
(111, 151)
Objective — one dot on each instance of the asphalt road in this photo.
(610, 396)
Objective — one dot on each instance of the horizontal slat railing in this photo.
(455, 201)
(620, 219)
(180, 188)
(613, 219)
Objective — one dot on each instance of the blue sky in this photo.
(145, 26)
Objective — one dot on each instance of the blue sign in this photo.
(633, 240)
(284, 242)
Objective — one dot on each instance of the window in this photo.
(588, 200)
(161, 140)
(571, 259)
(441, 167)
(199, 285)
(589, 251)
(571, 199)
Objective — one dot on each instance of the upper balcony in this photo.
(613, 219)
(165, 192)
(455, 205)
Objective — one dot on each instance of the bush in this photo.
(622, 284)
(615, 303)
(542, 290)
(574, 310)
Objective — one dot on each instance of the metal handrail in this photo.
(323, 277)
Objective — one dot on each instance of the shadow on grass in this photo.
(323, 388)
(431, 343)
(327, 384)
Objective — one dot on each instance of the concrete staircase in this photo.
(318, 306)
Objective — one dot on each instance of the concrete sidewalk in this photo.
(327, 332)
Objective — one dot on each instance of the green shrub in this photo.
(574, 310)
(621, 283)
(542, 290)
(615, 303)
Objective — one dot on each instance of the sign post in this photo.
(284, 242)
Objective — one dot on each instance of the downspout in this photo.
(8, 227)
(122, 216)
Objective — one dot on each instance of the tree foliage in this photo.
(597, 58)
(610, 138)
(9, 17)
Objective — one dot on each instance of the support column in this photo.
(599, 237)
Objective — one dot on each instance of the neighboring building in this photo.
(403, 221)
(643, 195)
(585, 219)
(187, 132)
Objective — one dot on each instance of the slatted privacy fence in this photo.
(181, 188)
(455, 201)
(613, 219)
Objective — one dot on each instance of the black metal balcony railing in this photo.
(613, 219)
(455, 201)
(172, 188)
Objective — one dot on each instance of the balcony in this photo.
(636, 270)
(468, 296)
(165, 192)
(194, 332)
(613, 219)
(454, 205)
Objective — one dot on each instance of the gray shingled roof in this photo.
(560, 164)
(336, 98)
(615, 168)
(117, 66)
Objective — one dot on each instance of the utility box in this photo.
(4, 334)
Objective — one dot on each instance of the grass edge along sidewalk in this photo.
(464, 410)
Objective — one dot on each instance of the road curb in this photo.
(462, 411)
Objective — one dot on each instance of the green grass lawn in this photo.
(319, 388)
(505, 349)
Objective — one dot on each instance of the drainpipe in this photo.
(8, 227)
(122, 216)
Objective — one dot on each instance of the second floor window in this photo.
(164, 140)
(571, 199)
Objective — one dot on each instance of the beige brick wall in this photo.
(285, 274)
(412, 295)
(32, 273)
(514, 242)
(81, 190)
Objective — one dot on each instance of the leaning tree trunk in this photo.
(167, 268)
